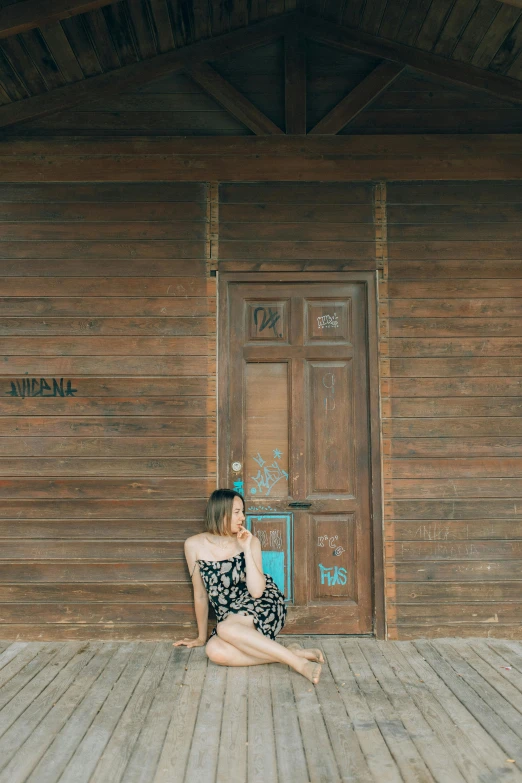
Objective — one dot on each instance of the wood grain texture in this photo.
(155, 423)
(451, 478)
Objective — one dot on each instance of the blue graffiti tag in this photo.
(239, 487)
(332, 575)
(267, 475)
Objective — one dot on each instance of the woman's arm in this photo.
(200, 599)
(255, 577)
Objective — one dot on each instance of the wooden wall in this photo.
(452, 405)
(296, 226)
(105, 472)
(107, 439)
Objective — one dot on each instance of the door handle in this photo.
(299, 504)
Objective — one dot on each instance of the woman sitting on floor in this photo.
(250, 609)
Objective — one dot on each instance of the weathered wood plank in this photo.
(117, 752)
(320, 757)
(350, 759)
(409, 762)
(232, 753)
(431, 749)
(475, 703)
(87, 755)
(36, 728)
(437, 709)
(466, 467)
(454, 488)
(189, 309)
(455, 530)
(59, 366)
(177, 426)
(452, 509)
(261, 756)
(176, 747)
(291, 760)
(469, 571)
(453, 387)
(146, 751)
(103, 509)
(57, 755)
(88, 287)
(465, 664)
(101, 447)
(476, 748)
(378, 757)
(433, 592)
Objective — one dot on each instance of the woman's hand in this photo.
(244, 538)
(190, 642)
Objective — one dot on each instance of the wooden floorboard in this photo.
(443, 711)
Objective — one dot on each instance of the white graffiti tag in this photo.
(328, 321)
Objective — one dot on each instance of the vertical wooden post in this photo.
(212, 234)
(381, 253)
(295, 82)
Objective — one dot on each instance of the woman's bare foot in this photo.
(310, 653)
(312, 671)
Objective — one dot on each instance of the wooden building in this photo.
(269, 245)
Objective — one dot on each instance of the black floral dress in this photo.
(225, 581)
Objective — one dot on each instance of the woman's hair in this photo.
(218, 513)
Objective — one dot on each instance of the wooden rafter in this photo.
(19, 17)
(516, 3)
(295, 82)
(232, 100)
(187, 57)
(358, 98)
(140, 73)
(433, 64)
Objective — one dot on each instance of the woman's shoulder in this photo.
(193, 542)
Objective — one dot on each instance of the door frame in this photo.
(369, 279)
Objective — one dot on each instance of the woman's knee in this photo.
(216, 651)
(226, 630)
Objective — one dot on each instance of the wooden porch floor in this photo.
(445, 710)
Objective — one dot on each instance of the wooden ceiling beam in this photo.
(358, 98)
(232, 100)
(516, 3)
(136, 74)
(295, 82)
(28, 14)
(433, 64)
(263, 158)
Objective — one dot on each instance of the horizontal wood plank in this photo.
(453, 509)
(469, 467)
(188, 308)
(106, 446)
(59, 366)
(105, 387)
(475, 529)
(101, 426)
(455, 427)
(457, 487)
(500, 446)
(110, 286)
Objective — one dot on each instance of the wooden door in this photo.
(295, 438)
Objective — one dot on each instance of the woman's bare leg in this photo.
(310, 653)
(238, 630)
(226, 654)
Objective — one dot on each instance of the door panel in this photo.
(330, 416)
(294, 422)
